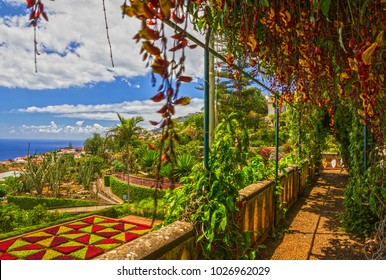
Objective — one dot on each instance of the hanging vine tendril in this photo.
(37, 10)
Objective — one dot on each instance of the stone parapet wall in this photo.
(175, 241)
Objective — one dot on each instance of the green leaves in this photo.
(341, 39)
(325, 6)
(209, 196)
(264, 3)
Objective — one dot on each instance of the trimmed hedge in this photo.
(3, 190)
(28, 202)
(107, 180)
(137, 193)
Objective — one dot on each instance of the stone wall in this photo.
(173, 242)
(328, 161)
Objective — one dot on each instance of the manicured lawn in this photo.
(82, 239)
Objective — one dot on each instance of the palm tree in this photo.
(124, 134)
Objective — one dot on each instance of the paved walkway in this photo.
(140, 220)
(312, 229)
(82, 209)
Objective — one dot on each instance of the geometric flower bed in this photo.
(77, 240)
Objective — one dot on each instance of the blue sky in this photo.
(76, 92)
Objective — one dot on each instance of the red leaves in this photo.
(154, 123)
(148, 34)
(185, 79)
(158, 97)
(37, 9)
(30, 3)
(177, 19)
(351, 42)
(150, 48)
(183, 101)
(165, 6)
(182, 44)
(229, 58)
(163, 110)
(45, 16)
(159, 66)
(151, 146)
(179, 36)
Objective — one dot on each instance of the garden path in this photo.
(312, 229)
(81, 209)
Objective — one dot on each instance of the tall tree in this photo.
(94, 145)
(250, 104)
(124, 134)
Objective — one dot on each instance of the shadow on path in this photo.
(312, 229)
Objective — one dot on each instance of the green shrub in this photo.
(40, 215)
(3, 190)
(119, 166)
(184, 166)
(144, 208)
(8, 217)
(149, 161)
(137, 193)
(110, 212)
(27, 202)
(107, 180)
(13, 217)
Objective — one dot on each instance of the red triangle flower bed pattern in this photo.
(75, 240)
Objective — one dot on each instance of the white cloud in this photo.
(108, 112)
(52, 129)
(73, 46)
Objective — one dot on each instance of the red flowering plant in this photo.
(269, 154)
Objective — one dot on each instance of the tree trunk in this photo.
(128, 178)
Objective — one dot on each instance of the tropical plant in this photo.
(124, 134)
(94, 145)
(14, 184)
(250, 104)
(36, 172)
(8, 217)
(149, 161)
(183, 166)
(89, 168)
(58, 170)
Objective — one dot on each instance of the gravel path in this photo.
(312, 230)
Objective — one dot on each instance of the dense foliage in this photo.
(28, 202)
(137, 193)
(13, 217)
(209, 196)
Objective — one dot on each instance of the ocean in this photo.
(13, 148)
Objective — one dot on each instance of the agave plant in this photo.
(184, 166)
(149, 160)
